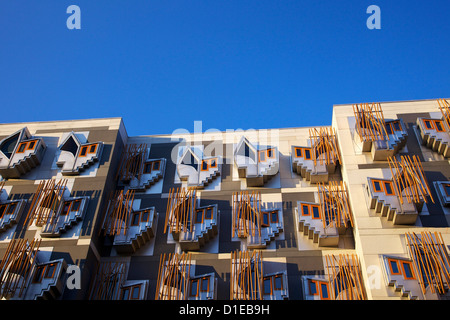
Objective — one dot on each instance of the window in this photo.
(303, 152)
(44, 272)
(205, 284)
(305, 210)
(278, 283)
(38, 274)
(209, 163)
(22, 147)
(274, 217)
(388, 188)
(401, 267)
(199, 216)
(209, 213)
(270, 153)
(407, 270)
(11, 208)
(75, 205)
(31, 145)
(135, 292)
(383, 186)
(66, 208)
(50, 270)
(3, 210)
(125, 293)
(436, 124)
(319, 288)
(135, 219)
(397, 126)
(148, 168)
(439, 125)
(145, 216)
(262, 156)
(265, 219)
(83, 151)
(194, 288)
(156, 165)
(447, 189)
(267, 285)
(393, 266)
(428, 124)
(92, 148)
(377, 186)
(316, 211)
(307, 154)
(308, 208)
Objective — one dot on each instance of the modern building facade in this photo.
(359, 209)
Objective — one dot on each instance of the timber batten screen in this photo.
(132, 162)
(116, 219)
(246, 281)
(444, 106)
(108, 280)
(246, 213)
(409, 179)
(16, 266)
(335, 204)
(181, 207)
(173, 276)
(46, 203)
(345, 277)
(370, 123)
(324, 146)
(431, 261)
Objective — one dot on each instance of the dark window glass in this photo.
(305, 210)
(194, 287)
(205, 284)
(377, 185)
(394, 267)
(298, 152)
(278, 283)
(135, 292)
(307, 154)
(316, 213)
(267, 286)
(324, 290)
(312, 288)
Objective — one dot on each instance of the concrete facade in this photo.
(296, 252)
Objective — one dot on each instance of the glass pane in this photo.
(136, 217)
(194, 287)
(204, 165)
(267, 286)
(278, 283)
(50, 271)
(135, 292)
(205, 284)
(305, 210)
(156, 165)
(274, 217)
(377, 185)
(307, 154)
(388, 188)
(394, 267)
(75, 205)
(298, 152)
(125, 293)
(209, 213)
(312, 288)
(316, 213)
(144, 216)
(262, 156)
(265, 218)
(199, 216)
(407, 269)
(324, 290)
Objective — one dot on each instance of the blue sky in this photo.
(235, 64)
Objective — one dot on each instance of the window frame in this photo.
(83, 152)
(196, 280)
(396, 261)
(264, 154)
(410, 266)
(201, 284)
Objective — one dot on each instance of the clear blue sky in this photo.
(161, 65)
